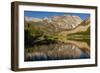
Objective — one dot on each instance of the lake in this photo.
(72, 49)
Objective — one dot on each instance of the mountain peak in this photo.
(28, 19)
(67, 21)
(64, 22)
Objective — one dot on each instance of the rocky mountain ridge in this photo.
(64, 22)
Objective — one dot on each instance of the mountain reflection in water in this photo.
(58, 51)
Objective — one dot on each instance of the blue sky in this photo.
(38, 14)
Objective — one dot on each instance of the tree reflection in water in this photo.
(58, 51)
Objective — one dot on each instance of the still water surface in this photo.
(58, 51)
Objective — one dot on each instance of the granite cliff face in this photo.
(82, 27)
(63, 22)
(66, 24)
(67, 21)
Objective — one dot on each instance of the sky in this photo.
(40, 14)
